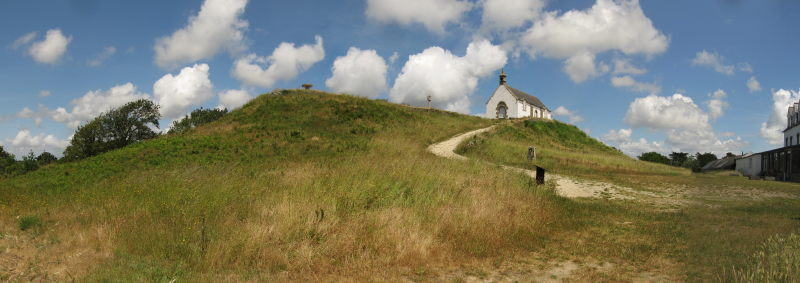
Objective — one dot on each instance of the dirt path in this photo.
(565, 186)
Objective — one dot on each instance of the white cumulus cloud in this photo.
(581, 67)
(175, 94)
(216, 27)
(753, 85)
(91, 104)
(607, 25)
(717, 104)
(508, 14)
(713, 60)
(666, 112)
(360, 72)
(571, 115)
(50, 49)
(433, 14)
(702, 141)
(579, 35)
(617, 136)
(686, 126)
(624, 66)
(634, 85)
(285, 63)
(447, 78)
(772, 129)
(107, 52)
(24, 142)
(234, 98)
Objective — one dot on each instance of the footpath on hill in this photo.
(667, 197)
(565, 186)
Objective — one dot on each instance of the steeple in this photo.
(502, 77)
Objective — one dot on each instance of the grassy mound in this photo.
(292, 185)
(561, 148)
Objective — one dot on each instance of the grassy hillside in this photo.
(304, 185)
(290, 186)
(561, 148)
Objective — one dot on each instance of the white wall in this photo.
(792, 133)
(502, 94)
(515, 107)
(749, 166)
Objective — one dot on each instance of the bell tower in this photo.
(502, 77)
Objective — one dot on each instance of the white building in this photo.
(749, 165)
(791, 136)
(508, 102)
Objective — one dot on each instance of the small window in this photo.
(524, 107)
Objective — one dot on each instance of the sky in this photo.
(693, 76)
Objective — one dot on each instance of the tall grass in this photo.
(292, 187)
(777, 260)
(560, 148)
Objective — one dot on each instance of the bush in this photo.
(196, 118)
(654, 157)
(46, 158)
(116, 129)
(28, 222)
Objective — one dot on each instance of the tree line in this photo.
(131, 123)
(682, 159)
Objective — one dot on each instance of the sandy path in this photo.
(565, 186)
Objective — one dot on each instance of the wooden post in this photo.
(539, 175)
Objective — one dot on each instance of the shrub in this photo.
(196, 118)
(46, 158)
(654, 157)
(28, 222)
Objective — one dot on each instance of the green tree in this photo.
(115, 129)
(46, 158)
(29, 163)
(196, 118)
(691, 163)
(678, 158)
(654, 157)
(704, 158)
(7, 162)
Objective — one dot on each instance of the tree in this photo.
(654, 157)
(196, 118)
(29, 163)
(704, 158)
(7, 162)
(691, 163)
(115, 129)
(46, 158)
(678, 158)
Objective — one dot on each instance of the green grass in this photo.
(709, 240)
(560, 148)
(28, 222)
(243, 197)
(305, 185)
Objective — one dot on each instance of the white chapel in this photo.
(508, 102)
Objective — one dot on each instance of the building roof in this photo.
(526, 97)
(722, 163)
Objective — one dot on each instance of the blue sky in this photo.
(613, 68)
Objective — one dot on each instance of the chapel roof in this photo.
(526, 97)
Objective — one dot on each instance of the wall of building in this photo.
(793, 133)
(502, 94)
(749, 166)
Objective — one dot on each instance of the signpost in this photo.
(539, 170)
